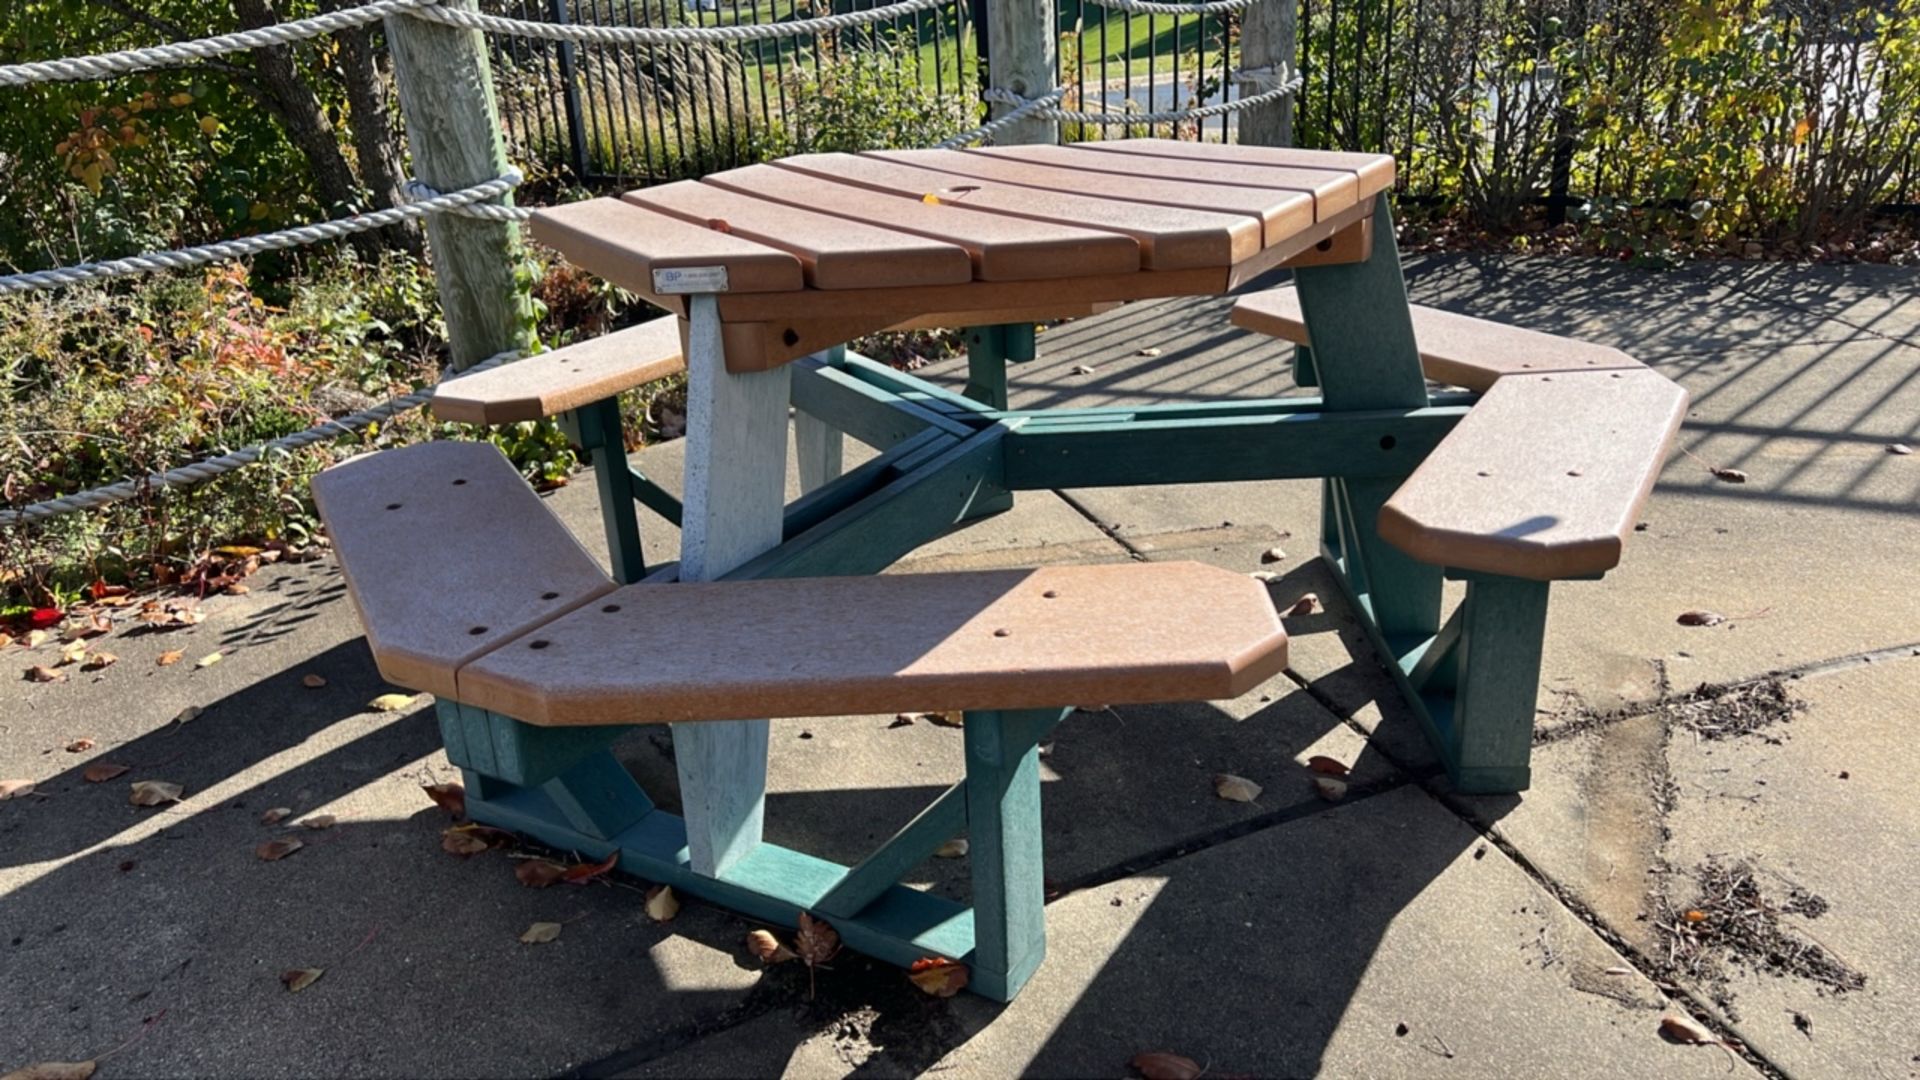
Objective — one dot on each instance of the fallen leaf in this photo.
(1082, 369)
(53, 1070)
(37, 638)
(449, 797)
(102, 771)
(299, 979)
(40, 618)
(207, 661)
(1618, 970)
(945, 719)
(189, 714)
(473, 839)
(815, 943)
(538, 873)
(1160, 1065)
(72, 651)
(96, 661)
(15, 789)
(169, 658)
(938, 976)
(1327, 766)
(320, 821)
(1330, 789)
(955, 848)
(1265, 577)
(1696, 916)
(391, 702)
(313, 682)
(276, 815)
(1731, 476)
(1700, 618)
(930, 199)
(902, 720)
(5, 640)
(154, 792)
(1235, 788)
(1306, 605)
(275, 850)
(1150, 350)
(585, 872)
(236, 589)
(767, 948)
(1685, 1029)
(80, 746)
(662, 905)
(1272, 555)
(42, 673)
(540, 933)
(1900, 449)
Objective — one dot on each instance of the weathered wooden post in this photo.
(1021, 38)
(453, 131)
(1268, 42)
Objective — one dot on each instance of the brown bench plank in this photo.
(625, 244)
(1003, 248)
(1281, 213)
(836, 253)
(1543, 479)
(1169, 238)
(1372, 173)
(1455, 349)
(1333, 190)
(447, 554)
(566, 378)
(1136, 632)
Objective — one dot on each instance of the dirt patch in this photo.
(1728, 712)
(1732, 921)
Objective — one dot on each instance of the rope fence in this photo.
(482, 200)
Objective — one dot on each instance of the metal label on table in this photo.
(690, 279)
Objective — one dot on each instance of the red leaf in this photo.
(449, 797)
(41, 618)
(585, 872)
(539, 873)
(938, 976)
(1160, 1065)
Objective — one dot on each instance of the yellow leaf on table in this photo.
(154, 792)
(299, 979)
(541, 933)
(391, 702)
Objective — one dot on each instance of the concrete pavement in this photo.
(1403, 931)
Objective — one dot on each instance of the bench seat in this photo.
(448, 554)
(569, 377)
(1004, 639)
(1458, 350)
(1544, 477)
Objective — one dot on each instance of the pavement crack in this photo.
(1112, 532)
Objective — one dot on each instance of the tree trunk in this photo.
(375, 143)
(298, 109)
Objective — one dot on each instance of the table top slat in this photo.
(1169, 238)
(1373, 173)
(625, 244)
(1002, 247)
(1333, 190)
(836, 253)
(1281, 213)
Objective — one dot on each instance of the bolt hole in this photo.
(549, 596)
(457, 483)
(393, 506)
(477, 630)
(1324, 245)
(1051, 593)
(611, 608)
(791, 337)
(1388, 442)
(1003, 632)
(538, 644)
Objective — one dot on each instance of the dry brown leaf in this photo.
(585, 872)
(1235, 788)
(1700, 618)
(1685, 1029)
(189, 714)
(80, 745)
(1330, 789)
(538, 873)
(320, 821)
(169, 658)
(954, 718)
(1306, 605)
(1731, 476)
(72, 651)
(42, 673)
(449, 797)
(540, 933)
(1327, 766)
(1160, 1065)
(767, 948)
(275, 850)
(1899, 449)
(53, 1070)
(154, 792)
(472, 839)
(1082, 369)
(236, 589)
(313, 682)
(102, 771)
(955, 848)
(938, 976)
(662, 905)
(1151, 350)
(98, 660)
(1265, 577)
(816, 942)
(1273, 555)
(207, 661)
(6, 639)
(15, 789)
(391, 702)
(299, 979)
(276, 815)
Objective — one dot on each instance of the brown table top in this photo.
(814, 249)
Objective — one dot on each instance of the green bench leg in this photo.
(597, 428)
(820, 448)
(1003, 827)
(1497, 683)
